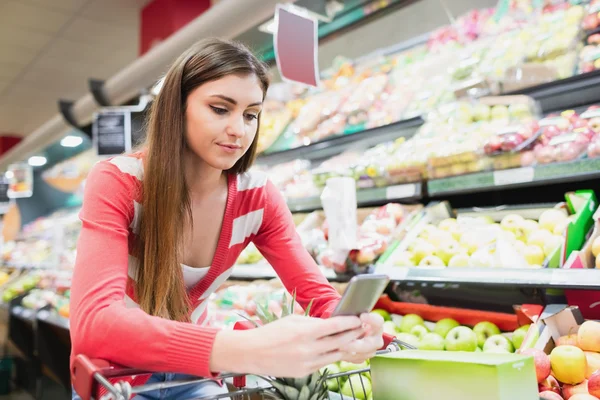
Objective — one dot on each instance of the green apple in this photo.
(408, 339)
(549, 219)
(511, 222)
(460, 260)
(478, 350)
(484, 330)
(356, 387)
(539, 237)
(390, 328)
(498, 343)
(346, 366)
(384, 314)
(534, 254)
(528, 226)
(423, 250)
(409, 321)
(443, 326)
(419, 331)
(427, 230)
(431, 262)
(439, 237)
(481, 259)
(447, 224)
(519, 335)
(405, 259)
(447, 250)
(470, 242)
(461, 338)
(500, 112)
(432, 341)
(332, 384)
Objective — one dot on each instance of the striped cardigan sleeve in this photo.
(281, 245)
(101, 325)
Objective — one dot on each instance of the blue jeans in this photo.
(186, 392)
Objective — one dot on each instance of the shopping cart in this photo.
(90, 376)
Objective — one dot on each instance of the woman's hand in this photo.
(365, 347)
(291, 347)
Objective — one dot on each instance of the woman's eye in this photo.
(251, 117)
(219, 110)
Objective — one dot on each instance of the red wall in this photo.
(161, 18)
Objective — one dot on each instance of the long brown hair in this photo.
(166, 206)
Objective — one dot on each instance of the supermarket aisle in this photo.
(17, 396)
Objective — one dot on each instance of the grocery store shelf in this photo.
(24, 313)
(263, 270)
(365, 197)
(53, 319)
(572, 171)
(539, 278)
(336, 144)
(563, 94)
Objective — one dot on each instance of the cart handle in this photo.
(85, 370)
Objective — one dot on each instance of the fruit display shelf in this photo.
(578, 170)
(550, 278)
(336, 144)
(263, 270)
(365, 197)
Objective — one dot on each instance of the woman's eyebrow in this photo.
(232, 101)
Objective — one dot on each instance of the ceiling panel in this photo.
(85, 30)
(115, 12)
(27, 15)
(67, 51)
(23, 38)
(58, 5)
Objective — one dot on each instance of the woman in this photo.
(162, 229)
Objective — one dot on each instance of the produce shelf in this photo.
(53, 319)
(336, 144)
(563, 94)
(572, 171)
(263, 270)
(364, 197)
(540, 278)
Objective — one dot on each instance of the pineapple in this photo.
(311, 387)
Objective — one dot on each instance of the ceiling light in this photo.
(71, 141)
(37, 161)
(271, 27)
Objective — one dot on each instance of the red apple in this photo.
(590, 22)
(594, 384)
(594, 149)
(550, 384)
(595, 122)
(542, 363)
(527, 158)
(548, 395)
(570, 340)
(511, 141)
(571, 390)
(545, 155)
(594, 39)
(551, 131)
(588, 336)
(493, 145)
(579, 123)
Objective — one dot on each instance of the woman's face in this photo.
(221, 118)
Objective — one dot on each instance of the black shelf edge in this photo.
(51, 318)
(23, 313)
(588, 279)
(365, 197)
(337, 144)
(479, 182)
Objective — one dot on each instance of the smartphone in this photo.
(361, 294)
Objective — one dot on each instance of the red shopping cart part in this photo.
(86, 374)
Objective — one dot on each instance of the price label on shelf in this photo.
(400, 191)
(513, 176)
(27, 313)
(43, 315)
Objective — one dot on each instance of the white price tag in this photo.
(17, 310)
(27, 313)
(512, 176)
(401, 191)
(43, 315)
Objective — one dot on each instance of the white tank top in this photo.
(191, 276)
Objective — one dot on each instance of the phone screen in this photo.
(361, 295)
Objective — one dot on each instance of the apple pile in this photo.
(474, 242)
(572, 371)
(589, 57)
(352, 385)
(592, 20)
(566, 137)
(447, 334)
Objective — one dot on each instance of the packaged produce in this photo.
(275, 116)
